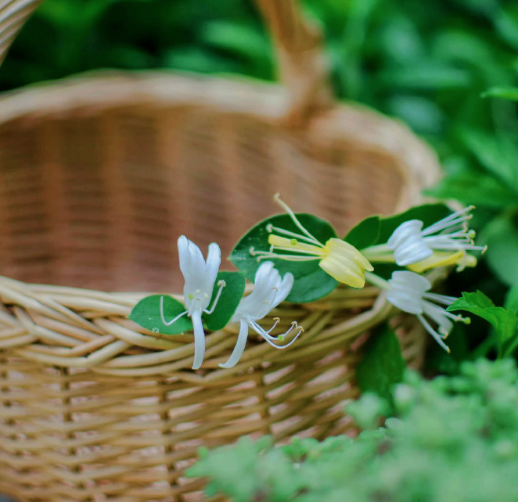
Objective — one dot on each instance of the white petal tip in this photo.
(226, 366)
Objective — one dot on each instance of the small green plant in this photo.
(453, 439)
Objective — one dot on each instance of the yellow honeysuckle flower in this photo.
(338, 258)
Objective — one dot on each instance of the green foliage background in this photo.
(452, 439)
(426, 63)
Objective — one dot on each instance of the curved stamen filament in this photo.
(262, 255)
(447, 300)
(438, 338)
(277, 199)
(271, 339)
(162, 316)
(441, 225)
(450, 220)
(270, 228)
(294, 250)
(221, 285)
(276, 321)
(456, 245)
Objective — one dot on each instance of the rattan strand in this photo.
(99, 175)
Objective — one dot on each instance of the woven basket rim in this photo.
(134, 87)
(163, 355)
(231, 93)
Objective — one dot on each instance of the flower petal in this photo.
(408, 243)
(199, 340)
(192, 266)
(211, 269)
(284, 289)
(407, 229)
(239, 347)
(406, 291)
(259, 302)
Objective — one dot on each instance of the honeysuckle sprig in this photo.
(410, 292)
(200, 276)
(338, 258)
(446, 242)
(269, 290)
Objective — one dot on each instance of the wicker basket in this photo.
(99, 176)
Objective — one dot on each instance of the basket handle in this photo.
(303, 67)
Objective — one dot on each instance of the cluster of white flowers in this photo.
(200, 277)
(444, 243)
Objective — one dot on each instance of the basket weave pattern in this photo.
(99, 176)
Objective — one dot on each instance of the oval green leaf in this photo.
(311, 282)
(146, 313)
(229, 300)
(382, 365)
(365, 234)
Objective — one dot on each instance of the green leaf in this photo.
(496, 154)
(235, 37)
(230, 297)
(382, 365)
(427, 213)
(427, 76)
(511, 299)
(475, 188)
(502, 92)
(146, 313)
(364, 234)
(503, 320)
(501, 236)
(311, 282)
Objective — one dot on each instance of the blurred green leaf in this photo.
(499, 155)
(511, 299)
(502, 92)
(501, 237)
(507, 27)
(354, 35)
(420, 113)
(475, 188)
(364, 234)
(238, 38)
(382, 365)
(427, 77)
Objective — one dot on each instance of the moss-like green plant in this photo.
(453, 439)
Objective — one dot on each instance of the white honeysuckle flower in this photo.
(444, 243)
(409, 292)
(338, 258)
(269, 291)
(411, 244)
(199, 276)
